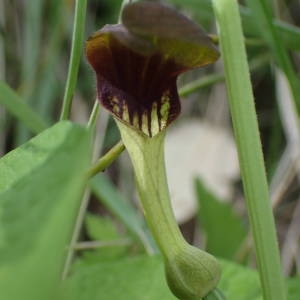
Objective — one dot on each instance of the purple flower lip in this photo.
(137, 63)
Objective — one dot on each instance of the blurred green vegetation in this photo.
(35, 42)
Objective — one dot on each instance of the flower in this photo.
(137, 63)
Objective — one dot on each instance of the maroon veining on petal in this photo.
(130, 83)
(136, 74)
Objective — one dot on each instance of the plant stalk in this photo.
(76, 50)
(249, 148)
(106, 159)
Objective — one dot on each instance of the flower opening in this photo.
(137, 63)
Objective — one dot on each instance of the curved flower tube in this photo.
(137, 64)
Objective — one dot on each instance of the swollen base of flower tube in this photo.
(192, 273)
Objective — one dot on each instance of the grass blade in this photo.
(249, 148)
(108, 195)
(202, 10)
(208, 80)
(17, 107)
(32, 25)
(32, 36)
(263, 13)
(77, 46)
(48, 85)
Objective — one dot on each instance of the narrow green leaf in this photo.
(249, 148)
(47, 89)
(289, 33)
(76, 51)
(202, 10)
(220, 223)
(108, 195)
(40, 190)
(208, 80)
(32, 36)
(200, 83)
(31, 31)
(17, 107)
(264, 19)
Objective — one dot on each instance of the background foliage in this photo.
(42, 182)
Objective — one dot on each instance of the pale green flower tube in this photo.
(191, 273)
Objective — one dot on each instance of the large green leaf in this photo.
(142, 278)
(294, 288)
(224, 230)
(239, 283)
(40, 189)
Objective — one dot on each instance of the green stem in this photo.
(77, 42)
(209, 80)
(106, 159)
(249, 148)
(248, 41)
(191, 273)
(94, 115)
(216, 294)
(102, 244)
(200, 83)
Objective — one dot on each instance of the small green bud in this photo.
(192, 273)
